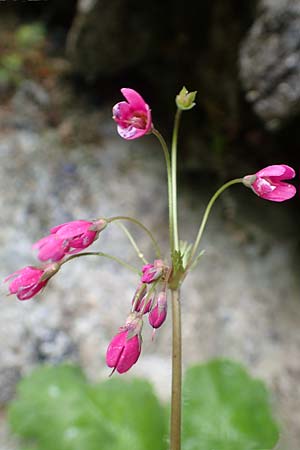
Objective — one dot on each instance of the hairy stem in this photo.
(175, 425)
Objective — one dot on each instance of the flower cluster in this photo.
(149, 298)
(65, 239)
(134, 120)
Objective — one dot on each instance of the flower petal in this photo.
(282, 192)
(135, 100)
(130, 132)
(73, 229)
(282, 171)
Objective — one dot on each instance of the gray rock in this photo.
(270, 62)
(30, 102)
(9, 376)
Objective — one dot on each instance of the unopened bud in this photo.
(185, 100)
(158, 314)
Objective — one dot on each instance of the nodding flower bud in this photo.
(27, 282)
(125, 348)
(158, 314)
(185, 100)
(68, 238)
(152, 272)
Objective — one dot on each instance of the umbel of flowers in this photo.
(159, 281)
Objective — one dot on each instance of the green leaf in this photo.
(226, 409)
(56, 409)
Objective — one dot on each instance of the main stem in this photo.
(175, 425)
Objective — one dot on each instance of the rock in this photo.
(30, 102)
(9, 376)
(109, 37)
(270, 62)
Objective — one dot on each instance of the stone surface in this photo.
(270, 62)
(241, 302)
(108, 37)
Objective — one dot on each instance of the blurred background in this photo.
(62, 65)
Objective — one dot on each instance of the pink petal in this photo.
(130, 355)
(29, 292)
(115, 349)
(134, 99)
(51, 248)
(73, 229)
(122, 112)
(279, 170)
(282, 192)
(131, 132)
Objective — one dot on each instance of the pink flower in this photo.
(133, 116)
(125, 348)
(267, 183)
(27, 282)
(158, 314)
(68, 238)
(151, 272)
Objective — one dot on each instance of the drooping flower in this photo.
(133, 116)
(125, 348)
(152, 272)
(68, 238)
(27, 282)
(158, 314)
(268, 183)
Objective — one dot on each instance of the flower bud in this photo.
(152, 272)
(125, 348)
(185, 99)
(158, 314)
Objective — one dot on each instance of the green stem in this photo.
(174, 178)
(105, 255)
(133, 243)
(175, 423)
(137, 222)
(206, 215)
(169, 176)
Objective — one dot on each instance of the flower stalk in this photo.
(174, 179)
(206, 215)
